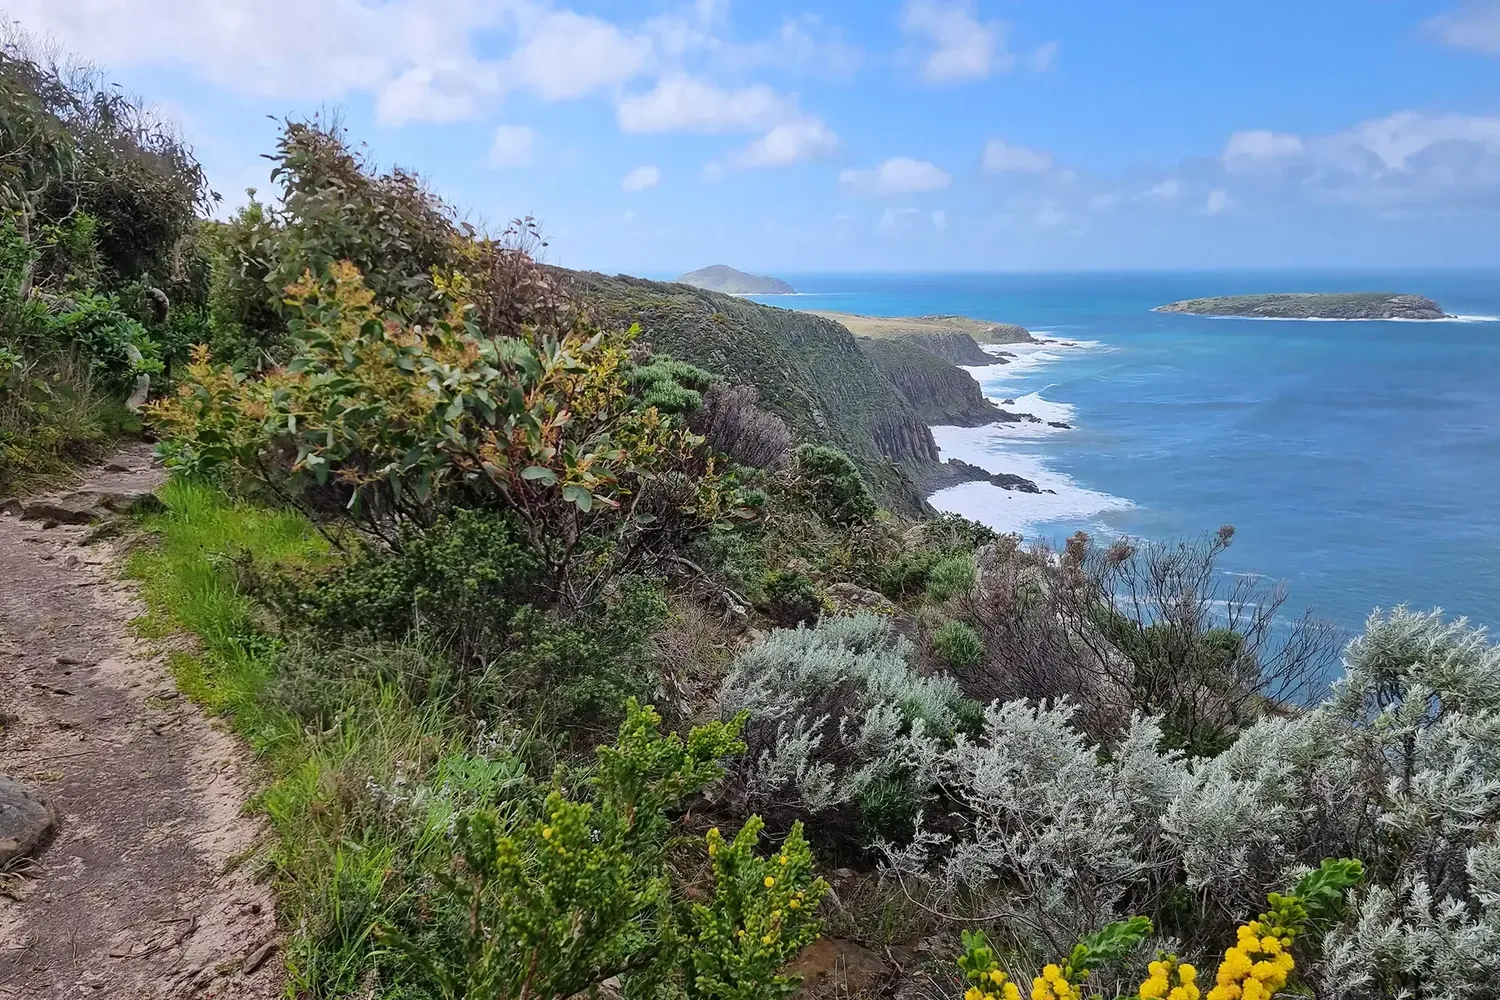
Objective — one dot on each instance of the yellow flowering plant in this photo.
(987, 981)
(1057, 981)
(1170, 979)
(761, 915)
(1260, 962)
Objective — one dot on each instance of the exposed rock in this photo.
(27, 820)
(956, 471)
(88, 506)
(849, 598)
(1060, 424)
(258, 957)
(838, 967)
(12, 506)
(74, 508)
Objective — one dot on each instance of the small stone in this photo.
(67, 660)
(107, 528)
(258, 957)
(119, 467)
(72, 562)
(165, 694)
(27, 819)
(12, 507)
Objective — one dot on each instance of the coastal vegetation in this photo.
(1312, 305)
(595, 638)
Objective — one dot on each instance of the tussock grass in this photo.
(338, 864)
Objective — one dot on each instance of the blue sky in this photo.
(795, 135)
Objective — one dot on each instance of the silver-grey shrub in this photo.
(1399, 766)
(834, 709)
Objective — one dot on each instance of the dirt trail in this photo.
(147, 890)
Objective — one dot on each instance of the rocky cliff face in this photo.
(938, 390)
(955, 348)
(810, 371)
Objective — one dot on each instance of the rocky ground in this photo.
(142, 884)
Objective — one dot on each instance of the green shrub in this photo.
(550, 904)
(669, 385)
(950, 576)
(791, 599)
(907, 574)
(888, 809)
(583, 665)
(829, 481)
(957, 644)
(458, 581)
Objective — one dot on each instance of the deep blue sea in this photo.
(1358, 461)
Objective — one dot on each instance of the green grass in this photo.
(338, 867)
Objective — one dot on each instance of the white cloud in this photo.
(940, 220)
(1259, 146)
(641, 178)
(416, 58)
(564, 56)
(961, 47)
(1397, 139)
(1049, 214)
(514, 146)
(1108, 199)
(1001, 157)
(1167, 190)
(1218, 202)
(898, 218)
(1044, 57)
(899, 175)
(787, 144)
(681, 103)
(1475, 25)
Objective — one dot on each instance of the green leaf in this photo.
(455, 409)
(535, 473)
(580, 496)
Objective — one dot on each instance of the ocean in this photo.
(1359, 462)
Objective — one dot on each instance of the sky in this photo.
(654, 136)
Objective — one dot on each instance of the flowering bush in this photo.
(759, 918)
(399, 420)
(549, 906)
(1257, 966)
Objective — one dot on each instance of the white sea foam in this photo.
(1012, 510)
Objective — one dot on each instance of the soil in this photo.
(148, 889)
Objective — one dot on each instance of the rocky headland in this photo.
(729, 281)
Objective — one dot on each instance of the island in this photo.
(723, 278)
(1312, 305)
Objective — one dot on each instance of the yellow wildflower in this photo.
(769, 881)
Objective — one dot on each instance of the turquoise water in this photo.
(1358, 461)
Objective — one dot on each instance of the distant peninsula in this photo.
(723, 278)
(934, 329)
(1312, 305)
